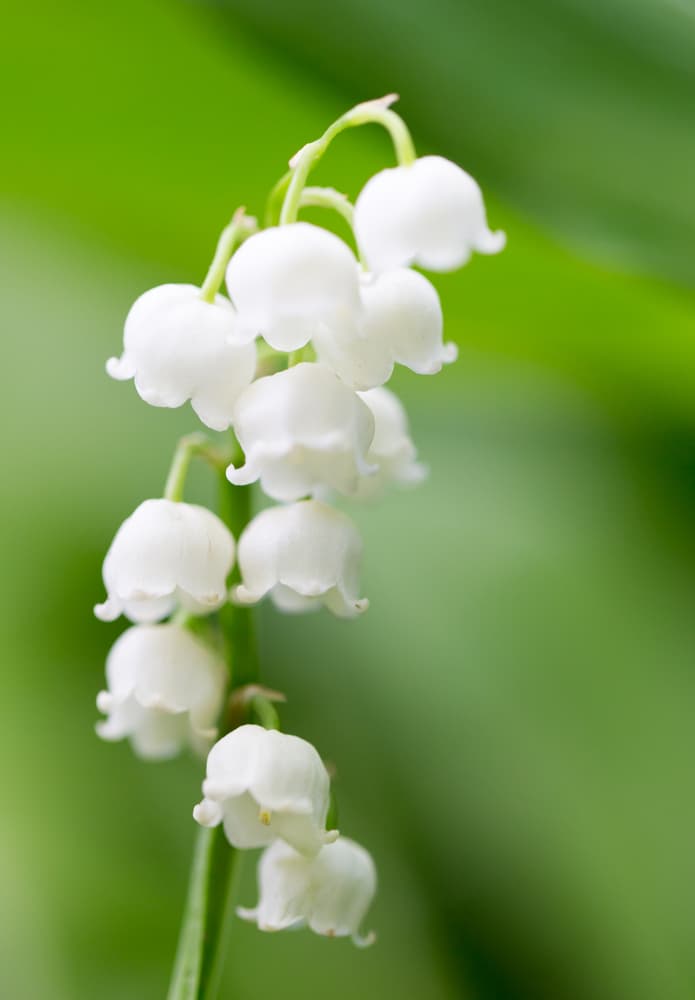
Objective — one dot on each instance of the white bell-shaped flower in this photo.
(392, 450)
(289, 281)
(164, 691)
(401, 323)
(302, 429)
(429, 213)
(263, 785)
(304, 555)
(166, 554)
(178, 347)
(329, 893)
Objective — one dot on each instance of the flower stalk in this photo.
(185, 674)
(239, 228)
(370, 112)
(208, 909)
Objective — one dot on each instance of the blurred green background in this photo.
(512, 721)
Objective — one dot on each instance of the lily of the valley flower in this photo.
(166, 554)
(392, 450)
(429, 213)
(263, 785)
(329, 893)
(178, 347)
(289, 281)
(304, 555)
(164, 691)
(401, 324)
(302, 429)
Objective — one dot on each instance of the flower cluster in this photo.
(294, 364)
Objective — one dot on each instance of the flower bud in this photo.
(178, 347)
(164, 691)
(392, 450)
(166, 554)
(428, 213)
(329, 893)
(288, 281)
(263, 785)
(401, 323)
(304, 555)
(302, 429)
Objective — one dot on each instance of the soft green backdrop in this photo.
(512, 721)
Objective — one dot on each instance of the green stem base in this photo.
(198, 965)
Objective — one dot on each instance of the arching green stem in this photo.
(185, 450)
(189, 447)
(239, 228)
(371, 112)
(322, 197)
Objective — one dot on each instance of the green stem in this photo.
(186, 449)
(321, 197)
(197, 966)
(238, 229)
(328, 198)
(207, 914)
(176, 480)
(265, 712)
(273, 205)
(376, 112)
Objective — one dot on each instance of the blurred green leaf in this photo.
(577, 112)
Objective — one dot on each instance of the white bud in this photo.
(304, 555)
(329, 893)
(178, 347)
(166, 554)
(263, 785)
(288, 281)
(164, 691)
(401, 323)
(428, 213)
(302, 429)
(392, 450)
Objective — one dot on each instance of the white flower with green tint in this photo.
(329, 893)
(305, 556)
(401, 324)
(302, 429)
(263, 785)
(164, 691)
(289, 281)
(392, 451)
(429, 213)
(178, 347)
(166, 555)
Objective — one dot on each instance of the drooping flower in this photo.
(329, 893)
(428, 213)
(164, 691)
(263, 785)
(302, 429)
(178, 347)
(401, 323)
(166, 554)
(304, 555)
(392, 450)
(289, 281)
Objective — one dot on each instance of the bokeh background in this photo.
(512, 722)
